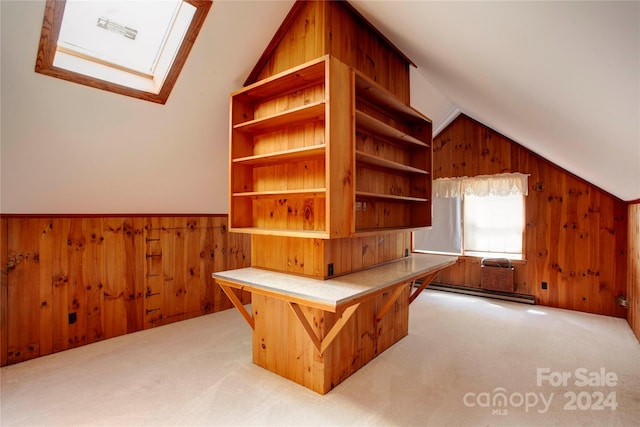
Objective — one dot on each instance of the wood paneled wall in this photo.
(576, 234)
(71, 281)
(316, 28)
(633, 296)
(312, 257)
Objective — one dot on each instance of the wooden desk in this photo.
(319, 332)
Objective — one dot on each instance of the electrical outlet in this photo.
(73, 318)
(544, 285)
(330, 270)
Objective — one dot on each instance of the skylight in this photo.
(131, 44)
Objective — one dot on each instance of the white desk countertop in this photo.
(339, 291)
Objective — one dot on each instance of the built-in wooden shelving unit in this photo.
(323, 151)
(393, 161)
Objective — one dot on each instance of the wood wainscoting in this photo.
(72, 280)
(633, 297)
(575, 238)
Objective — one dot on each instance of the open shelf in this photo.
(381, 230)
(387, 164)
(281, 232)
(384, 100)
(373, 125)
(281, 156)
(311, 144)
(305, 75)
(312, 192)
(389, 197)
(289, 118)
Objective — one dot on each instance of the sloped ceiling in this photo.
(561, 78)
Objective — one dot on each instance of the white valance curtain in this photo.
(483, 185)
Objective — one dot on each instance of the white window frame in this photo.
(447, 235)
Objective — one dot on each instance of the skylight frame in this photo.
(48, 47)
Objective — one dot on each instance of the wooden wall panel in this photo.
(115, 277)
(47, 283)
(76, 288)
(23, 326)
(4, 289)
(236, 254)
(59, 285)
(301, 40)
(316, 28)
(134, 272)
(634, 269)
(359, 45)
(71, 281)
(311, 257)
(182, 253)
(154, 279)
(575, 234)
(93, 273)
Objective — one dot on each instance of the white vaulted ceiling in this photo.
(560, 78)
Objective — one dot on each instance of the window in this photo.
(493, 225)
(481, 216)
(135, 48)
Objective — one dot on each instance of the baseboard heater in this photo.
(507, 296)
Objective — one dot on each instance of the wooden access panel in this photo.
(124, 275)
(181, 254)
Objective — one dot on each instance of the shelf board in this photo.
(289, 118)
(385, 100)
(389, 197)
(383, 230)
(305, 75)
(365, 121)
(280, 156)
(308, 234)
(303, 192)
(387, 164)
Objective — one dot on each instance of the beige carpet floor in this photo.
(467, 361)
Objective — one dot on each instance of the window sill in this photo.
(473, 258)
(479, 259)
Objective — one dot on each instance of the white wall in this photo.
(430, 102)
(71, 149)
(67, 148)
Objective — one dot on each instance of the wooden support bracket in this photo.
(238, 304)
(392, 299)
(398, 291)
(425, 281)
(322, 345)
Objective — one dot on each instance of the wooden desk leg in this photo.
(321, 346)
(238, 304)
(425, 281)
